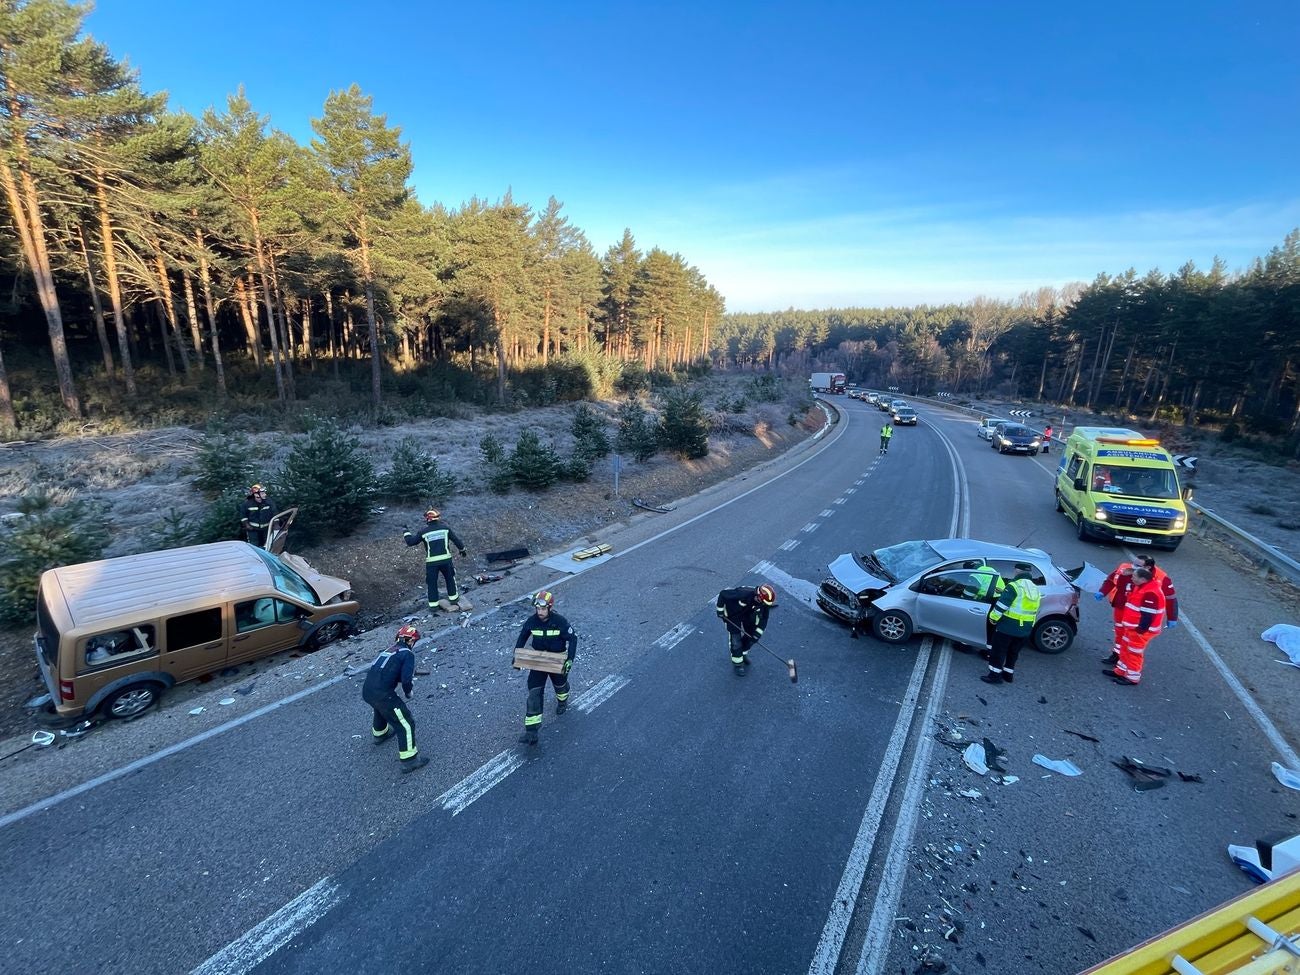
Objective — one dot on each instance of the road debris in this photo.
(1145, 777)
(973, 756)
(1080, 734)
(1062, 766)
(226, 701)
(1287, 639)
(1289, 777)
(197, 711)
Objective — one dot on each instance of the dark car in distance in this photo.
(1015, 438)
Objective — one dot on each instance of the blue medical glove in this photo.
(1171, 624)
(1099, 596)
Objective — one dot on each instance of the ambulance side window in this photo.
(1076, 467)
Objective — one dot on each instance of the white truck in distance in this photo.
(827, 382)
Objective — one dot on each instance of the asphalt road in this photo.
(680, 818)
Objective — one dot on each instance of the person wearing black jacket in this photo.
(438, 540)
(394, 666)
(550, 633)
(744, 611)
(255, 515)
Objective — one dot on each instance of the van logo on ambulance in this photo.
(1141, 521)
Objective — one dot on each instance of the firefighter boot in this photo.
(414, 762)
(529, 737)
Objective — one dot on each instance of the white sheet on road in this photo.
(1287, 638)
(567, 563)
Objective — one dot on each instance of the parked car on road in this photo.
(929, 587)
(987, 425)
(1015, 438)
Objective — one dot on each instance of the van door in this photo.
(265, 625)
(196, 643)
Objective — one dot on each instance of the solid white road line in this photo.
(827, 954)
(596, 695)
(474, 785)
(875, 945)
(261, 942)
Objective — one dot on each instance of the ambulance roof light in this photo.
(1129, 442)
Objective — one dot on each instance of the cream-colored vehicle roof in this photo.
(176, 578)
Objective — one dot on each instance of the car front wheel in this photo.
(1053, 635)
(893, 626)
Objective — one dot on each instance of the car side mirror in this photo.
(304, 621)
(1188, 492)
(1079, 485)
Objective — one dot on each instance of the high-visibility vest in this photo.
(1024, 607)
(986, 581)
(886, 431)
(1146, 598)
(437, 548)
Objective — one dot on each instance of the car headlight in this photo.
(1101, 515)
(1036, 443)
(1180, 522)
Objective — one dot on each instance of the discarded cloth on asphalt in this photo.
(1287, 638)
(973, 756)
(1289, 777)
(1061, 765)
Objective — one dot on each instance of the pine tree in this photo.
(331, 481)
(683, 427)
(636, 434)
(534, 465)
(589, 434)
(46, 536)
(415, 476)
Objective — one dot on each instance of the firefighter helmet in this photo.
(545, 598)
(433, 514)
(256, 489)
(766, 595)
(408, 634)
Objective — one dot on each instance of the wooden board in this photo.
(529, 659)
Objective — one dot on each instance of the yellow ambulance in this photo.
(1117, 484)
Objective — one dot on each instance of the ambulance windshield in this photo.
(1154, 483)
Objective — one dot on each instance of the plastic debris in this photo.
(1010, 779)
(1267, 858)
(973, 756)
(1060, 765)
(1289, 777)
(1080, 734)
(1287, 639)
(1145, 777)
(247, 688)
(197, 711)
(227, 700)
(42, 738)
(970, 793)
(993, 756)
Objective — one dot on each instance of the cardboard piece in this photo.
(528, 659)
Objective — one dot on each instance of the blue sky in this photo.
(802, 154)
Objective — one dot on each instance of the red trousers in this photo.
(1132, 652)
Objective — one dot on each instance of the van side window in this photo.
(1076, 465)
(193, 629)
(261, 612)
(105, 648)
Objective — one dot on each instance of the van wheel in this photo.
(327, 633)
(131, 702)
(1059, 506)
(1081, 528)
(893, 626)
(1053, 635)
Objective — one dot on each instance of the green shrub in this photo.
(534, 466)
(589, 434)
(415, 475)
(577, 467)
(173, 530)
(224, 460)
(494, 452)
(683, 426)
(766, 389)
(634, 378)
(330, 480)
(636, 434)
(220, 520)
(46, 536)
(501, 477)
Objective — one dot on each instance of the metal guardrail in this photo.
(1260, 551)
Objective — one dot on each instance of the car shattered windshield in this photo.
(287, 581)
(906, 559)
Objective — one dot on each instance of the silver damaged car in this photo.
(930, 587)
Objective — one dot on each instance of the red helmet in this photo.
(765, 594)
(544, 598)
(408, 634)
(433, 514)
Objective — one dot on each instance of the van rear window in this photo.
(47, 635)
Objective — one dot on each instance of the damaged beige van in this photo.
(112, 635)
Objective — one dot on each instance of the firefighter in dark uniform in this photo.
(255, 515)
(744, 611)
(438, 540)
(394, 666)
(550, 633)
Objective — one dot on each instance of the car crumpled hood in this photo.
(325, 587)
(849, 574)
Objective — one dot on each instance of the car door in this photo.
(196, 643)
(947, 606)
(264, 625)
